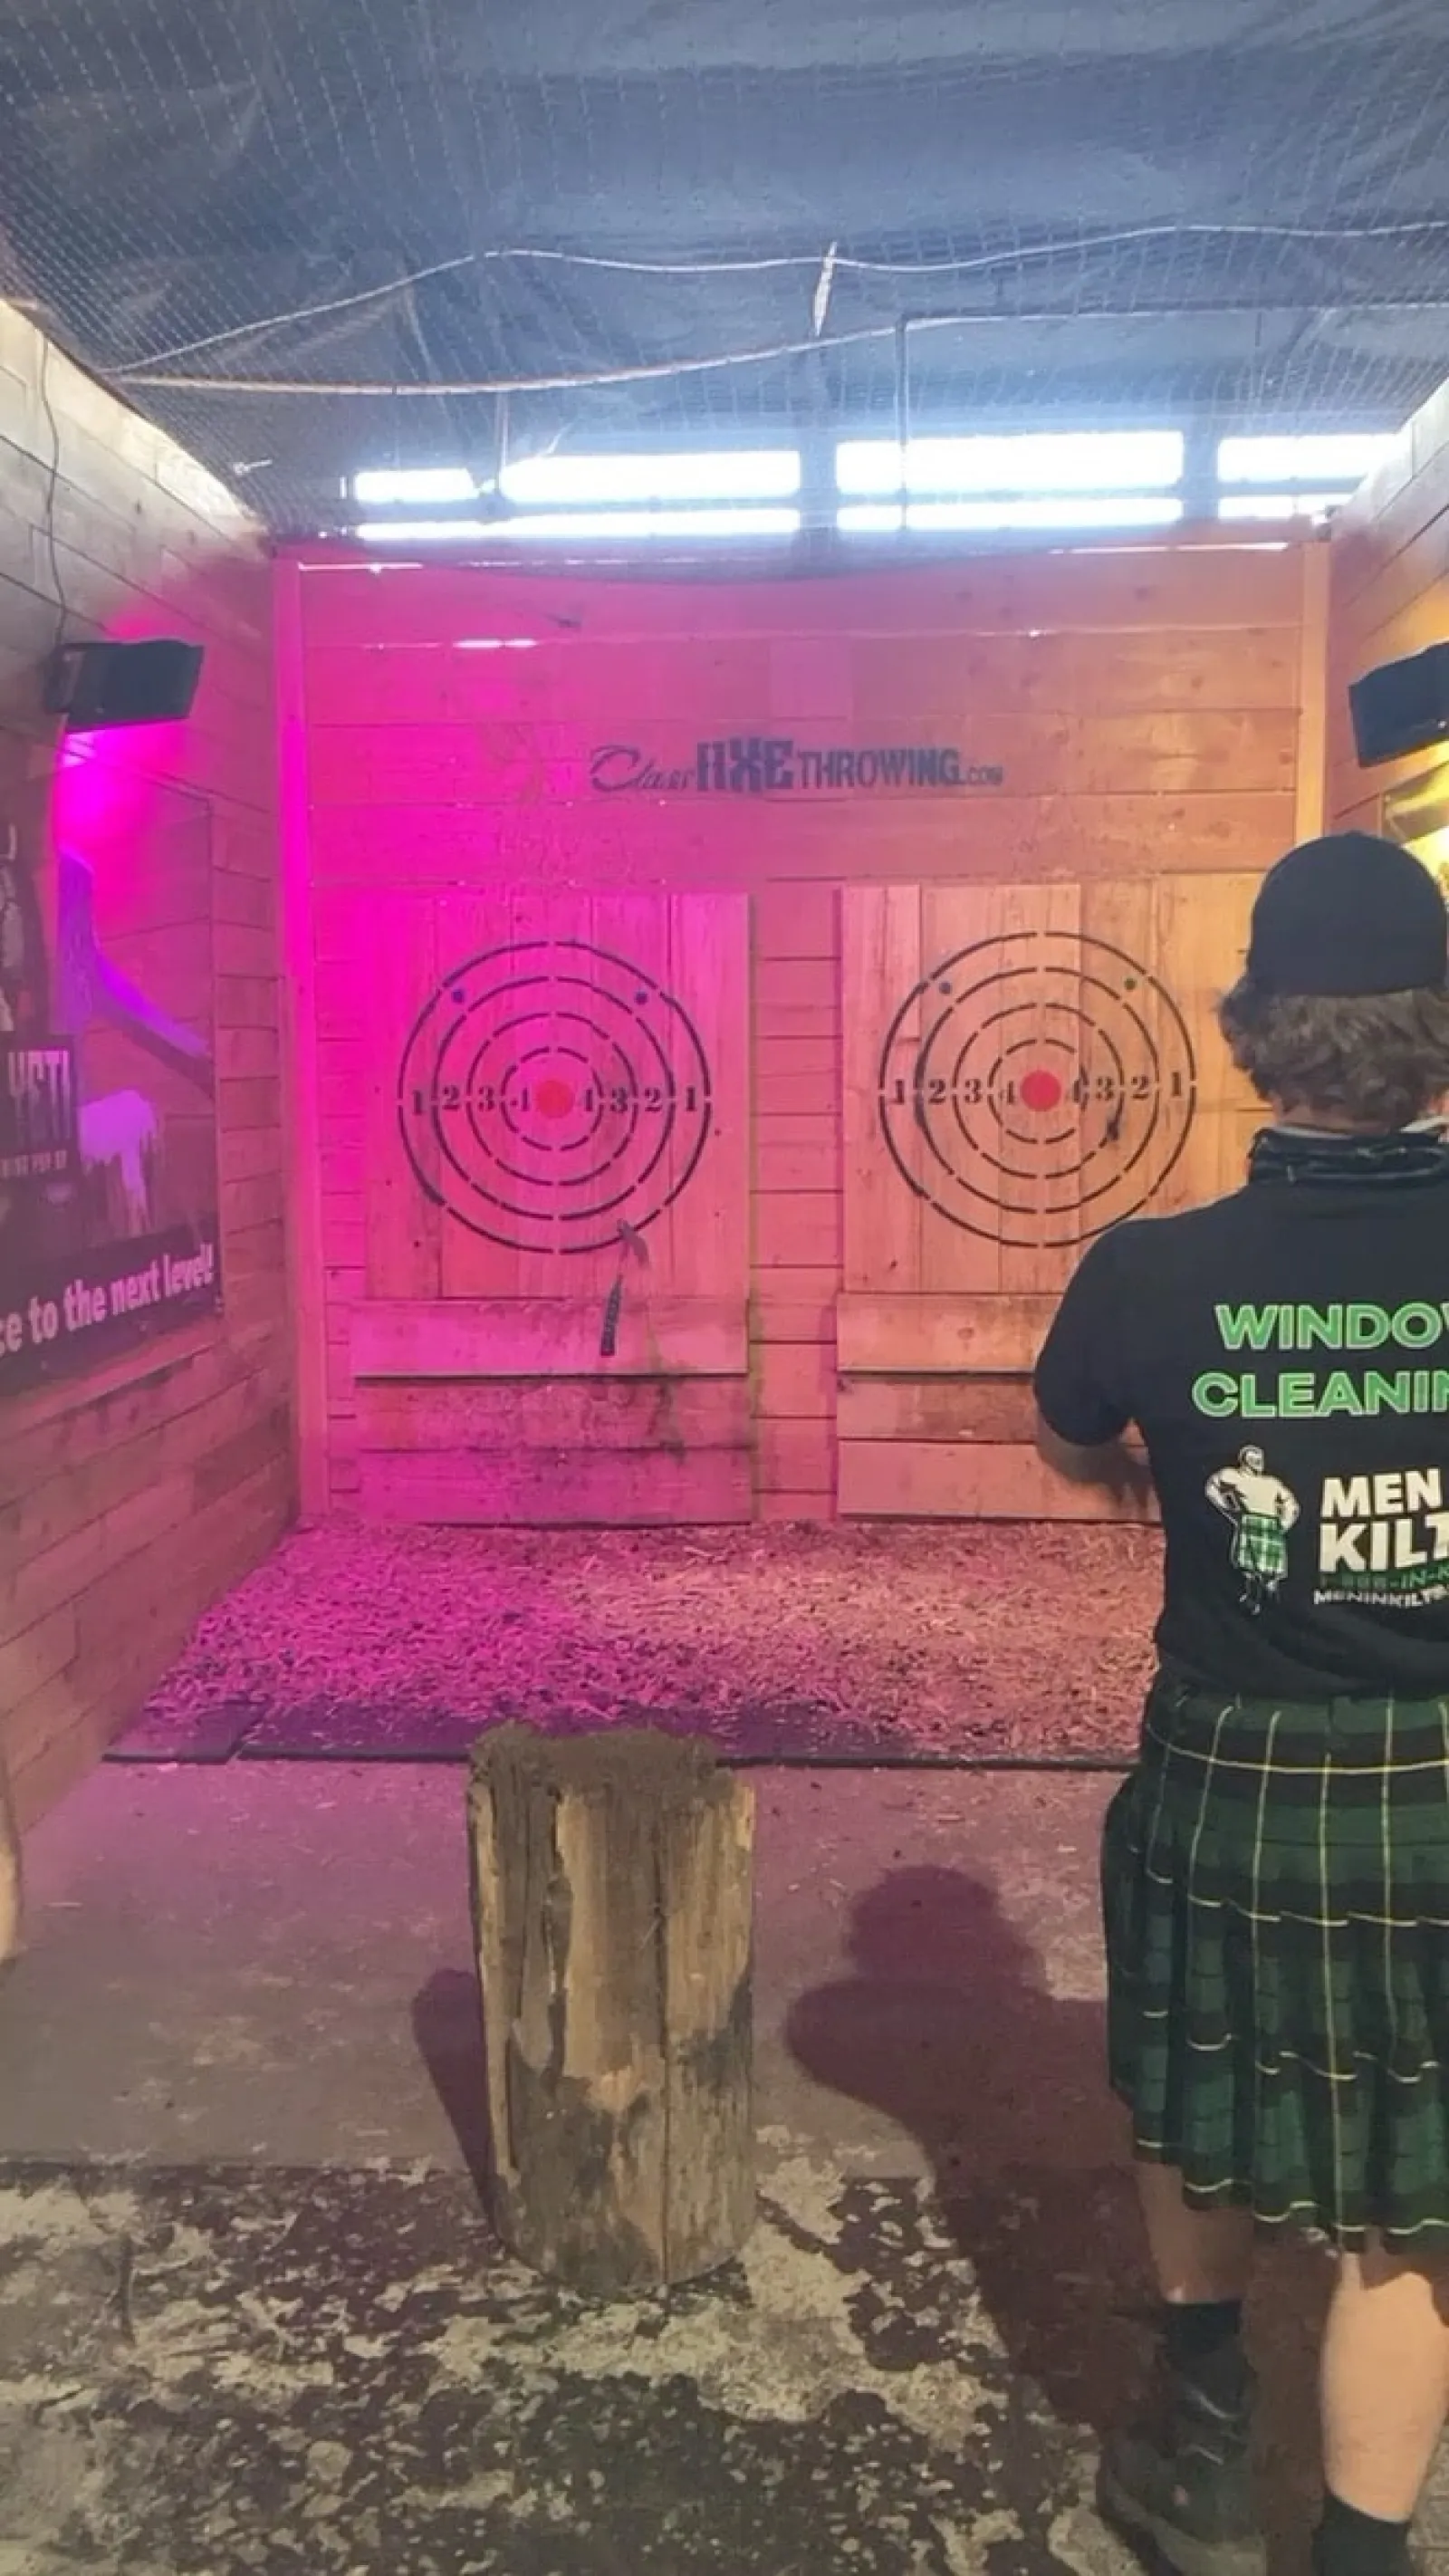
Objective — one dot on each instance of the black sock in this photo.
(1350, 2543)
(1204, 2347)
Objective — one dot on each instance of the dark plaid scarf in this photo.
(1308, 1157)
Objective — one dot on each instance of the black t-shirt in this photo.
(1285, 1355)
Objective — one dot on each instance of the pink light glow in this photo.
(105, 784)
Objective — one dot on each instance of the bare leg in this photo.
(1198, 2255)
(1385, 2381)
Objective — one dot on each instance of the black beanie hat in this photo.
(1349, 914)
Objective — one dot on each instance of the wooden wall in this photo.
(1154, 712)
(1388, 596)
(131, 1497)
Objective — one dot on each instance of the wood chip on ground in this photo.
(918, 1640)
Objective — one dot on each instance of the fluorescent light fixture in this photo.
(606, 524)
(496, 644)
(1280, 505)
(1067, 511)
(601, 526)
(408, 532)
(871, 518)
(1311, 459)
(435, 483)
(1038, 461)
(740, 474)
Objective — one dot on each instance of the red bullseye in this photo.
(554, 1099)
(1040, 1089)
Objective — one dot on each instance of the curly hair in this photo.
(1372, 1060)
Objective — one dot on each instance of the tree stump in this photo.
(612, 1908)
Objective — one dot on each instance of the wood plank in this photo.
(987, 836)
(1005, 963)
(943, 1480)
(145, 1607)
(679, 1415)
(907, 677)
(67, 1425)
(1312, 695)
(12, 1905)
(795, 1458)
(513, 1338)
(800, 1020)
(795, 920)
(521, 927)
(1399, 500)
(557, 674)
(107, 1476)
(1200, 934)
(782, 1060)
(958, 681)
(35, 1653)
(1395, 613)
(541, 763)
(708, 1220)
(796, 1229)
(610, 1489)
(795, 983)
(1192, 582)
(795, 1306)
(941, 1336)
(795, 1380)
(805, 1093)
(798, 1160)
(394, 969)
(999, 1409)
(881, 970)
(247, 1052)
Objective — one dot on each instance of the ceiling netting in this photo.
(599, 223)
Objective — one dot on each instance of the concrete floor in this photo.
(250, 2319)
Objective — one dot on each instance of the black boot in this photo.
(1182, 2482)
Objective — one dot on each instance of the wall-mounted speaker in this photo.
(1402, 706)
(96, 685)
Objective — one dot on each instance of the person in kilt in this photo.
(1262, 1510)
(1275, 1871)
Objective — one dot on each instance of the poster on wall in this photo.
(109, 1233)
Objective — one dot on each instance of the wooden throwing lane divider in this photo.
(11, 1892)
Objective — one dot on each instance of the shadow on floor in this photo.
(947, 2026)
(448, 2030)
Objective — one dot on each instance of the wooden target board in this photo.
(1037, 1086)
(555, 1191)
(1024, 1067)
(551, 1091)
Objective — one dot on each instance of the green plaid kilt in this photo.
(1276, 1893)
(1260, 1547)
